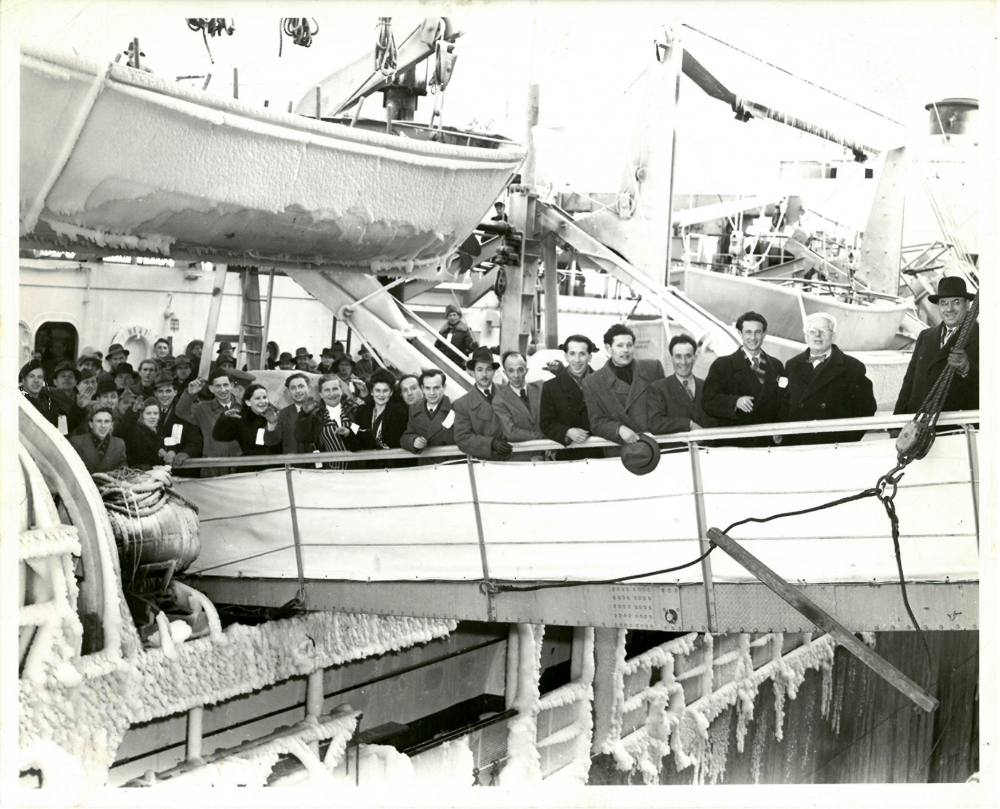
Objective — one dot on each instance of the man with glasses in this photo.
(824, 383)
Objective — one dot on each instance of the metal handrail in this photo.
(885, 422)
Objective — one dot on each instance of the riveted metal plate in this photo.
(632, 607)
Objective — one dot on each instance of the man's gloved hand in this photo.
(501, 447)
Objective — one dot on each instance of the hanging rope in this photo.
(385, 48)
(211, 26)
(301, 30)
(917, 437)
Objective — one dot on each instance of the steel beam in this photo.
(740, 606)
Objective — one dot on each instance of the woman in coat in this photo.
(249, 425)
(382, 418)
(143, 438)
(327, 424)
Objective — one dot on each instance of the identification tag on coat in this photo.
(449, 419)
(63, 424)
(176, 433)
(355, 428)
(260, 437)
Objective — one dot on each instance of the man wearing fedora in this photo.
(618, 395)
(302, 357)
(117, 354)
(936, 349)
(286, 362)
(181, 439)
(327, 362)
(70, 401)
(478, 431)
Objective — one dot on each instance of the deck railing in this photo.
(873, 423)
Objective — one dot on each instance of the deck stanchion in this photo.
(798, 601)
(706, 563)
(295, 534)
(218, 290)
(314, 702)
(267, 320)
(482, 542)
(194, 720)
(970, 441)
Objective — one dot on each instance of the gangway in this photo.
(671, 303)
(374, 315)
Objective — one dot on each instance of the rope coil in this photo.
(211, 26)
(300, 30)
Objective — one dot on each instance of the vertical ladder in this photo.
(253, 329)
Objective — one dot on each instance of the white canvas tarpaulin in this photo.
(592, 519)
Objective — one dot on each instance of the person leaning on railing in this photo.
(327, 423)
(205, 414)
(431, 419)
(382, 418)
(824, 383)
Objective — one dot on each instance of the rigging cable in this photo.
(211, 26)
(301, 30)
(385, 48)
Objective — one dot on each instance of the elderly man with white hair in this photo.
(824, 383)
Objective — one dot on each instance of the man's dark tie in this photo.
(946, 336)
(524, 398)
(489, 395)
(758, 368)
(689, 387)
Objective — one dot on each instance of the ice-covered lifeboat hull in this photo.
(123, 159)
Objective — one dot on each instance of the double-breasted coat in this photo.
(731, 377)
(837, 388)
(563, 406)
(604, 406)
(928, 361)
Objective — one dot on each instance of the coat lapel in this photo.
(825, 372)
(607, 383)
(680, 395)
(436, 424)
(639, 384)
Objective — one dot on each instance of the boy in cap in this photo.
(456, 336)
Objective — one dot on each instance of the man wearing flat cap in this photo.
(937, 348)
(478, 431)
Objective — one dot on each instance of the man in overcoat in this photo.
(517, 404)
(749, 386)
(478, 431)
(431, 420)
(100, 450)
(618, 395)
(298, 388)
(936, 349)
(563, 413)
(824, 383)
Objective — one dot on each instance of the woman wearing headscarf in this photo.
(456, 336)
(327, 423)
(250, 425)
(382, 418)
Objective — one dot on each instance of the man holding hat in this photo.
(618, 395)
(937, 348)
(478, 431)
(456, 336)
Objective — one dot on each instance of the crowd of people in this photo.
(115, 415)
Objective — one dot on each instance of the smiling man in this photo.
(478, 431)
(676, 401)
(563, 413)
(298, 388)
(936, 349)
(824, 383)
(204, 415)
(517, 403)
(618, 395)
(99, 449)
(748, 386)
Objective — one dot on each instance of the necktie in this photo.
(524, 398)
(946, 336)
(488, 393)
(816, 361)
(689, 387)
(757, 369)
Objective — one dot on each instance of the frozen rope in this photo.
(301, 30)
(210, 26)
(385, 48)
